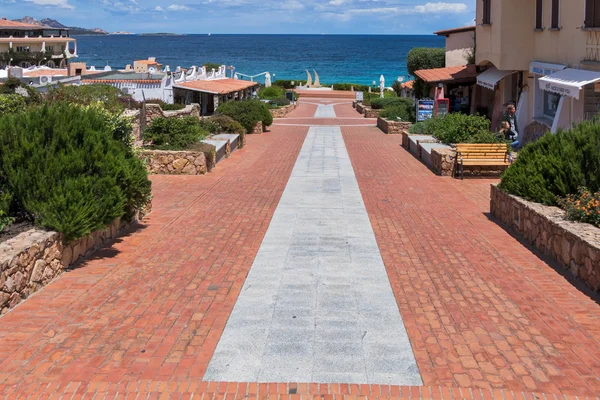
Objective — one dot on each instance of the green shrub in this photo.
(227, 124)
(10, 85)
(398, 113)
(287, 83)
(348, 86)
(173, 133)
(67, 172)
(454, 128)
(211, 65)
(557, 165)
(584, 206)
(166, 106)
(272, 92)
(108, 96)
(379, 103)
(279, 102)
(11, 103)
(247, 112)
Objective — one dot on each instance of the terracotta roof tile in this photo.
(121, 80)
(217, 86)
(8, 24)
(45, 72)
(446, 74)
(447, 32)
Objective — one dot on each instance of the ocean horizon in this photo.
(337, 58)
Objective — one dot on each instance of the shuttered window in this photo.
(539, 14)
(555, 14)
(592, 13)
(487, 12)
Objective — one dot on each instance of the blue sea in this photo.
(336, 58)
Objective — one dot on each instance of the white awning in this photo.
(568, 82)
(490, 78)
(542, 68)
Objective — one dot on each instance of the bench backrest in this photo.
(483, 151)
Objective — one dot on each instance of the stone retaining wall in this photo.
(175, 162)
(443, 161)
(32, 259)
(392, 127)
(282, 111)
(575, 246)
(258, 128)
(371, 113)
(360, 107)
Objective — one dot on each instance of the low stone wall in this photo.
(392, 127)
(282, 111)
(258, 129)
(32, 259)
(360, 107)
(575, 246)
(371, 113)
(175, 162)
(443, 161)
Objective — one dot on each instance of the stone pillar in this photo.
(216, 101)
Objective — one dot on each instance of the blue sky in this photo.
(248, 16)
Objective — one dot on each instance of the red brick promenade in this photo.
(485, 316)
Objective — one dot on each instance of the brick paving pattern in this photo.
(487, 318)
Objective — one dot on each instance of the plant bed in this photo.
(574, 245)
(392, 127)
(32, 259)
(281, 112)
(443, 161)
(170, 162)
(370, 112)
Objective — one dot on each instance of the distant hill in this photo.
(55, 24)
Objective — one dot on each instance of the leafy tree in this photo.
(424, 58)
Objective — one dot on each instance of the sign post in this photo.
(359, 97)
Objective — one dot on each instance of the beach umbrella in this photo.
(381, 85)
(267, 80)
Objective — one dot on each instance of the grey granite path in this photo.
(317, 305)
(325, 111)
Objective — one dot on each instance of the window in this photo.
(539, 14)
(555, 14)
(22, 49)
(50, 49)
(551, 101)
(487, 12)
(592, 13)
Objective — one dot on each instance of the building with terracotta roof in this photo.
(210, 93)
(143, 66)
(24, 44)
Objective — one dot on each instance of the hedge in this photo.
(272, 92)
(557, 165)
(456, 128)
(108, 96)
(173, 133)
(11, 103)
(247, 112)
(90, 175)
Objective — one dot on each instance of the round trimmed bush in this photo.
(557, 165)
(272, 92)
(67, 170)
(173, 133)
(247, 112)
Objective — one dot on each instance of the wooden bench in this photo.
(481, 155)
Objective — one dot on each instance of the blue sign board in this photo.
(425, 109)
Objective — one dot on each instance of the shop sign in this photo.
(425, 109)
(359, 96)
(564, 91)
